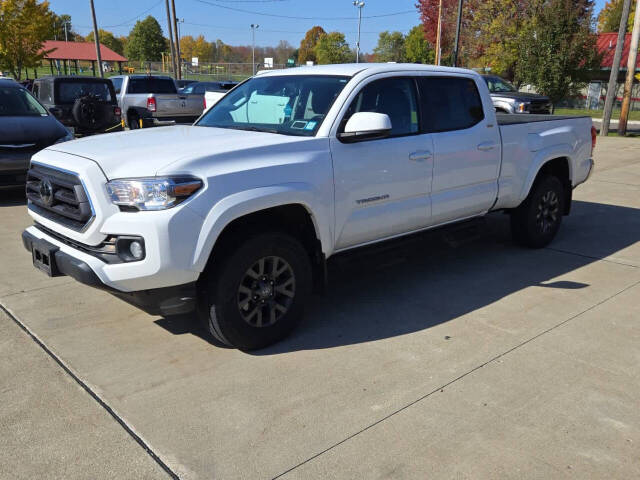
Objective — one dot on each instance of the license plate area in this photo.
(44, 257)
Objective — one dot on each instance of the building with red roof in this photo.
(61, 51)
(606, 45)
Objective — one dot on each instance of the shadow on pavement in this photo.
(430, 279)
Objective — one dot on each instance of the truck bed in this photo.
(517, 119)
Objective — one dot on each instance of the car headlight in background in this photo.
(66, 138)
(522, 107)
(156, 193)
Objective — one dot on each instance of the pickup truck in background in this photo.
(148, 101)
(236, 216)
(507, 99)
(215, 91)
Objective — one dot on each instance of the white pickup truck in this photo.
(235, 216)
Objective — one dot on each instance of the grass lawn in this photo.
(633, 115)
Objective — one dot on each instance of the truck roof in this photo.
(351, 69)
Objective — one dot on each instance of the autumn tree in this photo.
(332, 48)
(390, 47)
(307, 52)
(146, 41)
(611, 14)
(498, 25)
(25, 25)
(107, 39)
(196, 47)
(557, 49)
(416, 47)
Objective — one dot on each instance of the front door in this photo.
(382, 186)
(467, 147)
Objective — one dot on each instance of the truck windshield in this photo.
(286, 104)
(498, 85)
(151, 85)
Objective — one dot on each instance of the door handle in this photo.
(419, 156)
(486, 146)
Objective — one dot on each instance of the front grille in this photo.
(58, 196)
(540, 106)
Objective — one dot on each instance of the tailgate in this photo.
(168, 104)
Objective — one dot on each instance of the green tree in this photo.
(107, 39)
(611, 14)
(57, 28)
(390, 47)
(146, 41)
(25, 25)
(307, 51)
(332, 48)
(499, 25)
(416, 47)
(557, 49)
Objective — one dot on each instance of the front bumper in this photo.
(172, 300)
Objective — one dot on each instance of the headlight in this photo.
(523, 107)
(156, 193)
(66, 138)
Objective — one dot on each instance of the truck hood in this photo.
(143, 153)
(519, 96)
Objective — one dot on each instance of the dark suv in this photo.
(87, 105)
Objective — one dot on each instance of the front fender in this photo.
(243, 203)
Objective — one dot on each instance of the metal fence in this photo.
(202, 71)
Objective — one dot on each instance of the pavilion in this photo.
(68, 52)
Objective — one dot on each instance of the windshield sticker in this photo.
(288, 110)
(311, 125)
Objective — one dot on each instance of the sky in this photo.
(220, 18)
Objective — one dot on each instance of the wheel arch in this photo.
(291, 209)
(558, 164)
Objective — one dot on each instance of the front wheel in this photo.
(536, 222)
(257, 295)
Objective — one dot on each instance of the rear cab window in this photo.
(449, 103)
(69, 92)
(117, 84)
(151, 85)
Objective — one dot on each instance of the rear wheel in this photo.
(257, 295)
(134, 121)
(536, 222)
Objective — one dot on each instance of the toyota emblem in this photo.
(46, 192)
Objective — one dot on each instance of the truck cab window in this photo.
(449, 103)
(394, 96)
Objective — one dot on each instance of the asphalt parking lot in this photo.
(453, 356)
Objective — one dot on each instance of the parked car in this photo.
(507, 99)
(86, 105)
(148, 101)
(180, 84)
(25, 127)
(237, 215)
(212, 95)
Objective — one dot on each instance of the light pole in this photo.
(254, 26)
(358, 4)
(97, 39)
(457, 41)
(66, 37)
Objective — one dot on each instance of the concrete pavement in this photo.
(440, 359)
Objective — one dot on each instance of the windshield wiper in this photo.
(251, 128)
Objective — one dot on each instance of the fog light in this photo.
(136, 250)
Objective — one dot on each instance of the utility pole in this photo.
(253, 46)
(631, 71)
(458, 26)
(96, 38)
(171, 44)
(439, 34)
(359, 5)
(177, 46)
(615, 68)
(66, 37)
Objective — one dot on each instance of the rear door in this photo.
(466, 146)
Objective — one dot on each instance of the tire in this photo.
(133, 121)
(245, 303)
(536, 221)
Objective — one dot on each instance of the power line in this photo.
(126, 22)
(291, 17)
(226, 27)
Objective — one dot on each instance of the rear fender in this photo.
(542, 157)
(243, 203)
